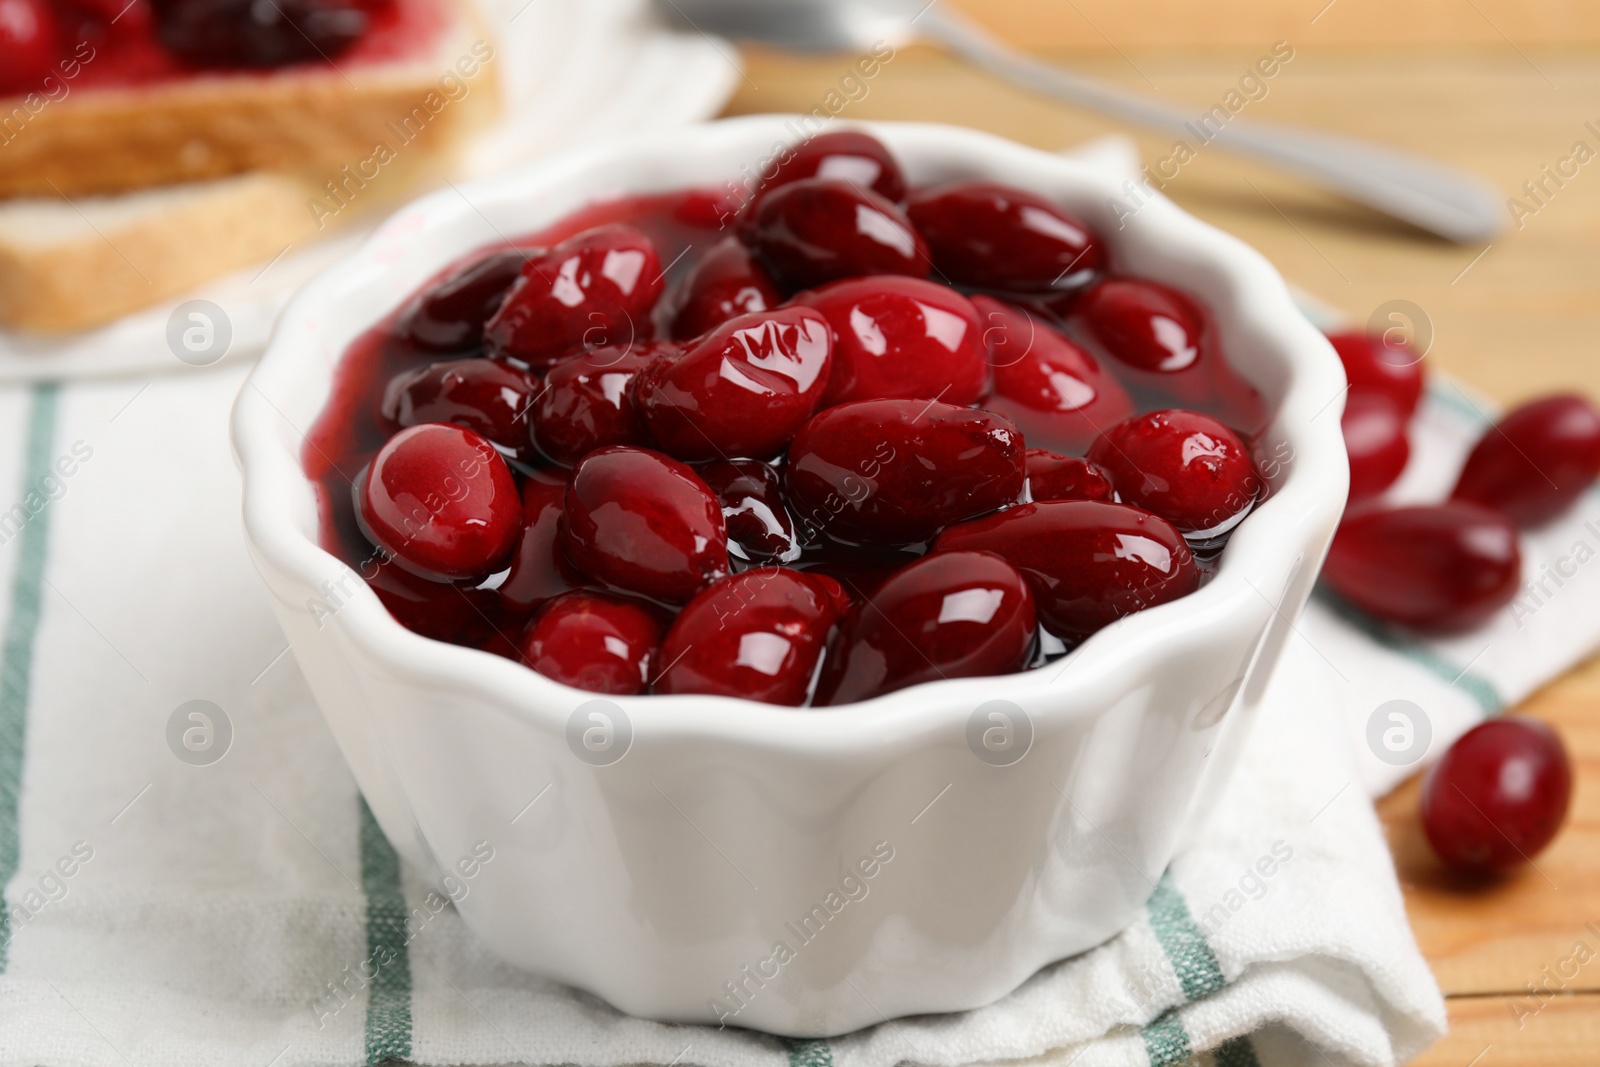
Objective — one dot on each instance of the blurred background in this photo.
(1499, 88)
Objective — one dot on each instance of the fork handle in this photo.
(1436, 198)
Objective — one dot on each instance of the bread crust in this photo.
(101, 140)
(115, 199)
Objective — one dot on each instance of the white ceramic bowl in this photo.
(901, 868)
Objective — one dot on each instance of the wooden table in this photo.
(1481, 87)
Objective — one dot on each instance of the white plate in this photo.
(569, 72)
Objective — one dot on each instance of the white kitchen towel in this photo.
(164, 907)
(164, 910)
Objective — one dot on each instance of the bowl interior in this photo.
(1264, 336)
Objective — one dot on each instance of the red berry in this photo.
(901, 338)
(1053, 477)
(950, 615)
(642, 522)
(1442, 567)
(482, 395)
(816, 230)
(727, 283)
(848, 156)
(246, 33)
(742, 390)
(1535, 461)
(587, 402)
(757, 635)
(594, 641)
(993, 236)
(539, 567)
(1374, 365)
(441, 501)
(759, 524)
(1375, 440)
(895, 472)
(448, 318)
(1186, 467)
(1498, 796)
(30, 41)
(1089, 563)
(591, 291)
(1143, 324)
(1056, 393)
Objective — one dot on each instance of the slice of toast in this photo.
(75, 264)
(70, 266)
(106, 214)
(87, 132)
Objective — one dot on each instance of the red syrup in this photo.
(112, 46)
(685, 228)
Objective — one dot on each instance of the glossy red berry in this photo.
(592, 291)
(1375, 440)
(895, 472)
(1056, 477)
(1058, 395)
(949, 615)
(1143, 324)
(1441, 567)
(1535, 461)
(482, 395)
(846, 155)
(818, 230)
(594, 641)
(587, 402)
(441, 501)
(245, 33)
(448, 318)
(30, 41)
(751, 493)
(742, 390)
(727, 283)
(644, 523)
(992, 236)
(1089, 563)
(901, 338)
(1374, 365)
(1182, 465)
(1498, 796)
(757, 634)
(539, 566)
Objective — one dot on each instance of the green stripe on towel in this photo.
(388, 1031)
(1185, 944)
(809, 1053)
(1199, 974)
(1166, 1041)
(16, 654)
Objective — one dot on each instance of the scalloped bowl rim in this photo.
(1312, 486)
